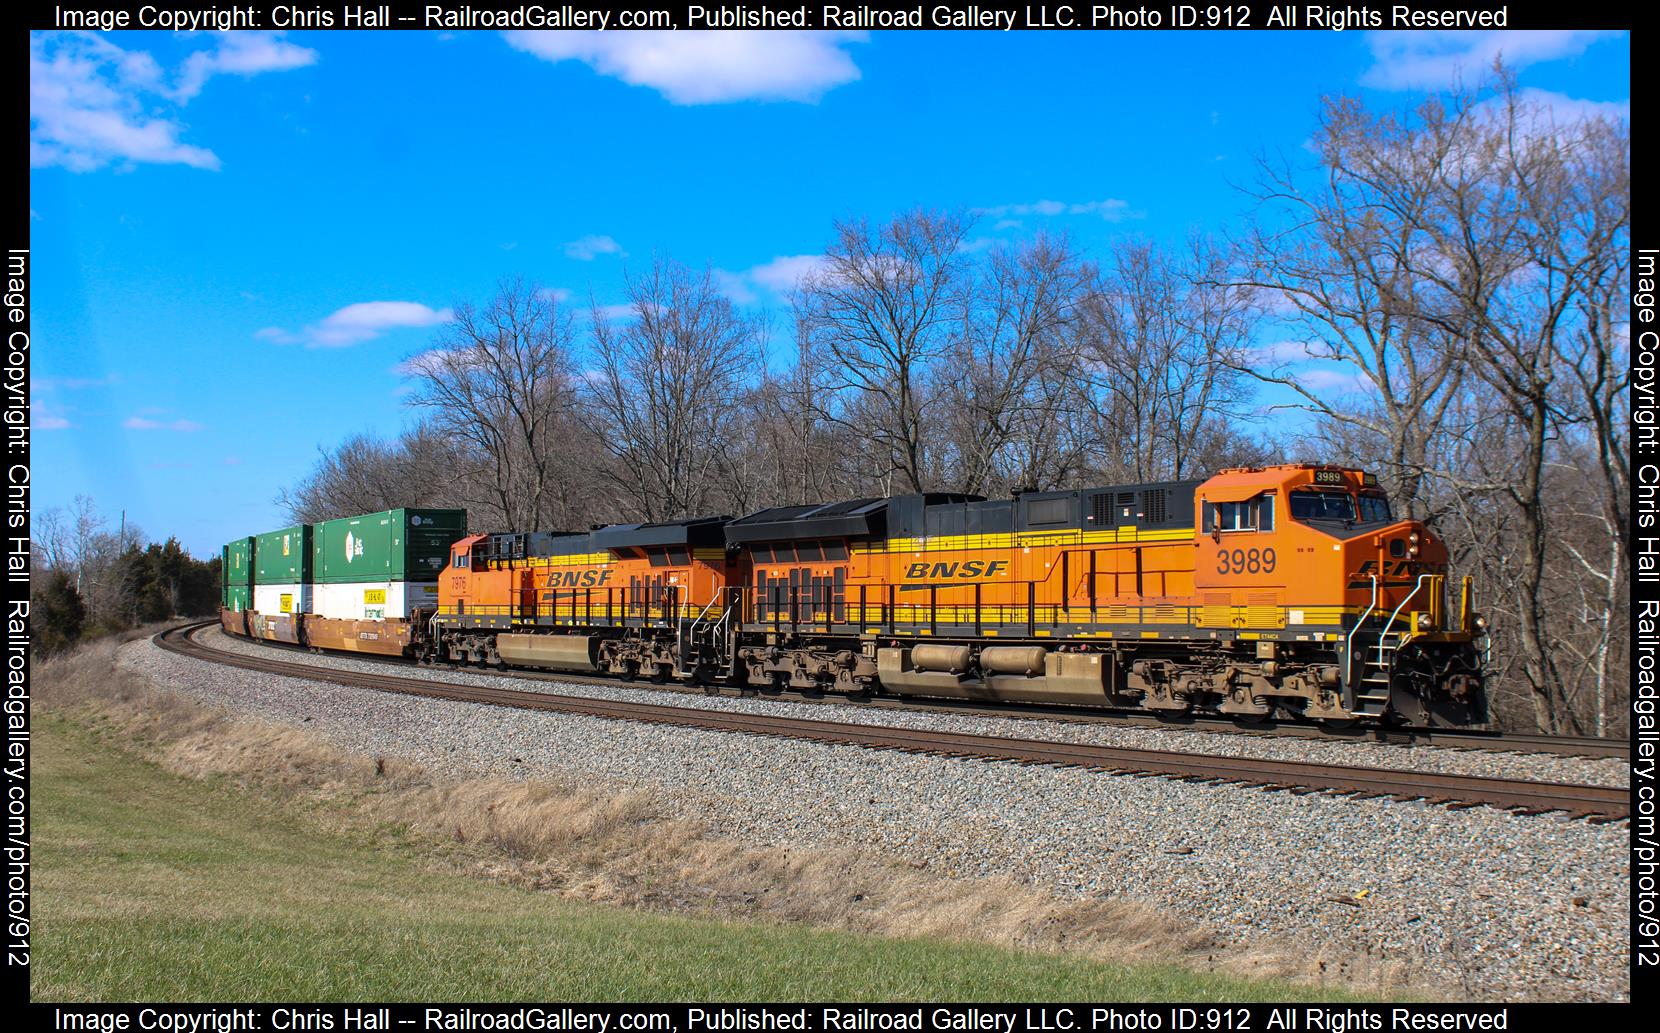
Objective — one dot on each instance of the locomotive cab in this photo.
(1323, 546)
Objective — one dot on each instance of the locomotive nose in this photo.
(1401, 550)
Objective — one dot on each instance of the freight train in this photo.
(1287, 592)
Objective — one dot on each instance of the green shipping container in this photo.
(236, 574)
(283, 557)
(237, 562)
(396, 545)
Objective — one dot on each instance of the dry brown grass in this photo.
(623, 848)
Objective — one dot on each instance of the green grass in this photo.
(150, 886)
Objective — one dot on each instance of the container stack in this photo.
(282, 582)
(382, 566)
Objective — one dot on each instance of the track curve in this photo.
(1599, 803)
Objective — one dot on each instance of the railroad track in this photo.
(1599, 803)
(1443, 738)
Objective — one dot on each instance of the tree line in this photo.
(87, 580)
(1460, 262)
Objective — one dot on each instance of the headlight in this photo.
(1412, 550)
(1480, 622)
(1424, 623)
(1413, 538)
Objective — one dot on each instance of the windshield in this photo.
(1322, 505)
(1375, 507)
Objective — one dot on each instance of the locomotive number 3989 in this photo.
(1245, 561)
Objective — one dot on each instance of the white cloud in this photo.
(1338, 380)
(84, 110)
(92, 103)
(558, 295)
(49, 384)
(586, 249)
(780, 276)
(618, 313)
(707, 67)
(1112, 210)
(354, 324)
(1435, 60)
(42, 418)
(735, 286)
(145, 423)
(1562, 109)
(1278, 353)
(783, 273)
(240, 53)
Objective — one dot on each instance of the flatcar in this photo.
(1283, 592)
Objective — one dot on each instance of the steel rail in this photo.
(1213, 724)
(1597, 802)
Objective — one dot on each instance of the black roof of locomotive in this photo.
(854, 518)
(937, 514)
(695, 532)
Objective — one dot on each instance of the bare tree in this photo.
(498, 385)
(668, 391)
(881, 309)
(1342, 256)
(1159, 339)
(1001, 384)
(1530, 239)
(366, 474)
(798, 456)
(1465, 257)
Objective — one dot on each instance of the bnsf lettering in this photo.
(1401, 568)
(578, 578)
(963, 570)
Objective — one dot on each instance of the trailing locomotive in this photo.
(1279, 592)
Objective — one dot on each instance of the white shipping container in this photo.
(274, 600)
(373, 600)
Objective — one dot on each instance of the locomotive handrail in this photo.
(1409, 597)
(1349, 643)
(692, 629)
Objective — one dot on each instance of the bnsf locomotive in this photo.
(1283, 592)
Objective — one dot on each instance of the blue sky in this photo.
(238, 237)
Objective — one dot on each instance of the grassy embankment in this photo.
(184, 854)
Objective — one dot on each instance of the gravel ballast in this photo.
(1543, 767)
(1505, 906)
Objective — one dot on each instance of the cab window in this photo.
(1255, 514)
(1322, 505)
(1375, 507)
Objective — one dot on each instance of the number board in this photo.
(1329, 477)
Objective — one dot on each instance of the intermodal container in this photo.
(282, 571)
(382, 566)
(394, 545)
(283, 557)
(236, 574)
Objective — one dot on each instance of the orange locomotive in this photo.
(1290, 591)
(618, 599)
